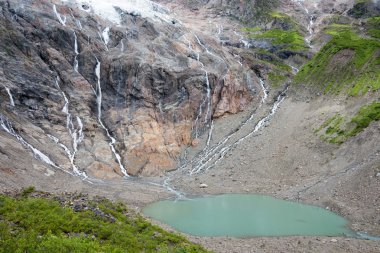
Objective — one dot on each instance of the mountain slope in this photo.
(138, 101)
(136, 92)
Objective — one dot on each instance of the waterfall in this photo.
(39, 155)
(208, 96)
(210, 134)
(207, 99)
(76, 134)
(60, 19)
(99, 104)
(310, 30)
(122, 45)
(220, 30)
(218, 156)
(77, 22)
(76, 52)
(250, 83)
(207, 50)
(311, 22)
(11, 101)
(105, 36)
(264, 90)
(206, 156)
(242, 40)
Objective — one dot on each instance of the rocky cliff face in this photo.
(107, 99)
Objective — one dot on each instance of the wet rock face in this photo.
(153, 87)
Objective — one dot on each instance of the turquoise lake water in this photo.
(244, 215)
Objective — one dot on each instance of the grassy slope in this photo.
(48, 224)
(349, 64)
(356, 75)
(338, 128)
(285, 36)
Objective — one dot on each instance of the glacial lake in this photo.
(246, 215)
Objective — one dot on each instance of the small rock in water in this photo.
(203, 186)
(378, 174)
(334, 240)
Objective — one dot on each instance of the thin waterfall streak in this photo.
(11, 101)
(74, 134)
(207, 100)
(167, 186)
(258, 127)
(210, 134)
(263, 99)
(76, 64)
(208, 96)
(219, 151)
(200, 110)
(99, 104)
(122, 45)
(7, 126)
(105, 37)
(310, 25)
(242, 40)
(264, 90)
(77, 22)
(207, 50)
(220, 30)
(60, 19)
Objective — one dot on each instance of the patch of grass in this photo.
(373, 27)
(356, 75)
(276, 80)
(327, 123)
(280, 73)
(40, 224)
(289, 39)
(279, 15)
(251, 29)
(338, 129)
(256, 12)
(27, 191)
(364, 9)
(364, 117)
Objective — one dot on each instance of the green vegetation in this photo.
(258, 11)
(280, 72)
(338, 129)
(290, 39)
(251, 29)
(38, 222)
(276, 80)
(364, 9)
(373, 27)
(347, 62)
(364, 117)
